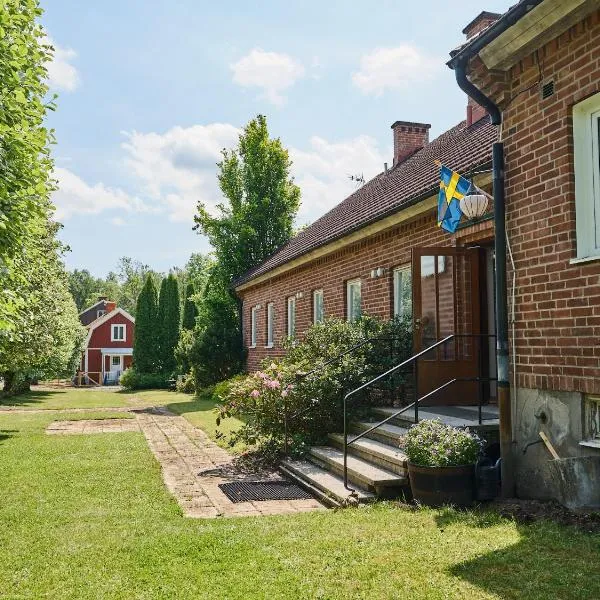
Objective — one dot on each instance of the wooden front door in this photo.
(446, 301)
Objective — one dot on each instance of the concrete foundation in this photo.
(575, 479)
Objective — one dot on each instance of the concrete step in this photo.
(466, 416)
(379, 453)
(360, 472)
(327, 486)
(388, 433)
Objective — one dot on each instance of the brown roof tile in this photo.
(460, 148)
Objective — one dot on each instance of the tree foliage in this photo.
(261, 202)
(190, 311)
(145, 342)
(84, 288)
(169, 317)
(40, 333)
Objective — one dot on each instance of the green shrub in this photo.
(186, 384)
(310, 391)
(432, 443)
(133, 380)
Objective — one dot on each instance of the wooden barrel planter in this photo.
(439, 486)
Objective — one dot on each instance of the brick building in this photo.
(538, 67)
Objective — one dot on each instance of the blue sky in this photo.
(150, 91)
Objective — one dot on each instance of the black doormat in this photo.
(246, 491)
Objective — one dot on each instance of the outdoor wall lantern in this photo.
(378, 272)
(474, 206)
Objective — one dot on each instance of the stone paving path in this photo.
(192, 465)
(92, 426)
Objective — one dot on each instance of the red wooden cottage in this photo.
(109, 343)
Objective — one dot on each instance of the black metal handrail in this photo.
(301, 375)
(412, 360)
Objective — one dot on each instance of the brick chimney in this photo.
(482, 21)
(110, 306)
(408, 138)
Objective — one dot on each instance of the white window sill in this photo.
(584, 259)
(270, 346)
(253, 346)
(591, 443)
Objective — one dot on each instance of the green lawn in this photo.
(89, 517)
(68, 398)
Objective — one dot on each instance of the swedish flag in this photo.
(452, 188)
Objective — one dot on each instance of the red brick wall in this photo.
(389, 250)
(408, 138)
(557, 303)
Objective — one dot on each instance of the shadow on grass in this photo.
(548, 561)
(26, 399)
(6, 433)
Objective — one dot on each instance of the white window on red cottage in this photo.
(318, 313)
(270, 324)
(117, 333)
(100, 313)
(586, 138)
(353, 300)
(291, 316)
(253, 326)
(403, 291)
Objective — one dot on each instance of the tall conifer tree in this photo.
(169, 316)
(190, 311)
(145, 343)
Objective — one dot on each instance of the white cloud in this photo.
(323, 172)
(272, 72)
(75, 196)
(178, 168)
(62, 74)
(118, 221)
(393, 68)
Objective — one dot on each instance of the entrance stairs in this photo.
(377, 468)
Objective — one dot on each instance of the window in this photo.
(318, 314)
(353, 300)
(117, 333)
(100, 313)
(270, 324)
(253, 326)
(291, 316)
(591, 430)
(116, 361)
(403, 291)
(586, 133)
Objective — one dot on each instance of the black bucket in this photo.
(487, 479)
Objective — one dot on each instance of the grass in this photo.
(93, 415)
(199, 410)
(89, 517)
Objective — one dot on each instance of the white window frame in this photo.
(586, 121)
(113, 328)
(400, 310)
(270, 325)
(353, 283)
(318, 301)
(119, 360)
(253, 326)
(291, 316)
(100, 313)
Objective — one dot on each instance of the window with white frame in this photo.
(116, 361)
(403, 291)
(117, 333)
(586, 138)
(100, 313)
(270, 324)
(353, 300)
(253, 326)
(318, 314)
(291, 316)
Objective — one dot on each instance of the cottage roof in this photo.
(464, 149)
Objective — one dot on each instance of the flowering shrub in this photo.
(432, 443)
(307, 388)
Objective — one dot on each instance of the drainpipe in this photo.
(502, 359)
